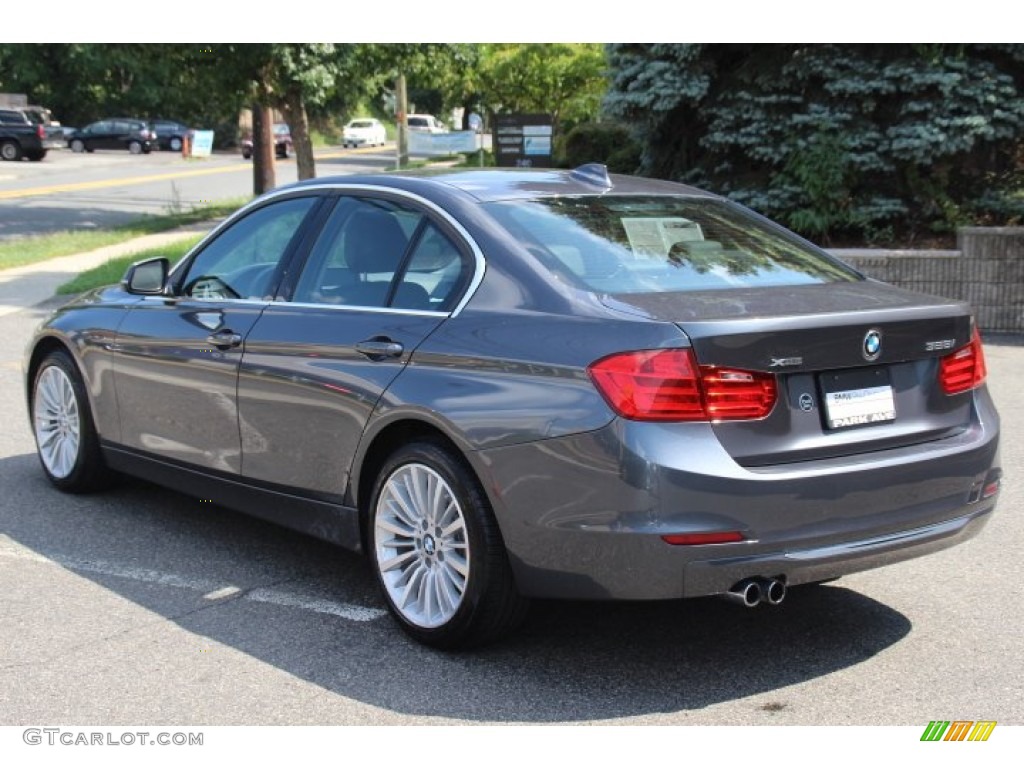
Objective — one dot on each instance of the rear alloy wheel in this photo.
(65, 436)
(135, 147)
(176, 144)
(10, 150)
(437, 551)
(77, 145)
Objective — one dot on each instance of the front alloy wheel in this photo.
(66, 438)
(437, 551)
(57, 423)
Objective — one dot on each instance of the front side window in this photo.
(661, 244)
(243, 261)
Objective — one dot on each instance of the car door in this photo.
(115, 135)
(177, 368)
(380, 278)
(95, 133)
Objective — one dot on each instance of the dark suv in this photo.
(27, 132)
(137, 136)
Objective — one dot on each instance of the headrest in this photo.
(374, 242)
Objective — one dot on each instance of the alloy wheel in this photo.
(422, 545)
(57, 422)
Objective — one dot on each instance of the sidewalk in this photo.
(23, 287)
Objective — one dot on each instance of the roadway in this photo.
(105, 188)
(144, 606)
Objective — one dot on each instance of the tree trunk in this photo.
(263, 176)
(294, 108)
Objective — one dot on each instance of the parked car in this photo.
(364, 131)
(282, 142)
(137, 136)
(23, 133)
(425, 123)
(514, 384)
(170, 135)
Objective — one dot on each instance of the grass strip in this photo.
(18, 251)
(112, 271)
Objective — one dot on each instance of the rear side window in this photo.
(661, 244)
(378, 253)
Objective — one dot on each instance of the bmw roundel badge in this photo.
(872, 346)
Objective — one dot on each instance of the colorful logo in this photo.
(958, 730)
(872, 346)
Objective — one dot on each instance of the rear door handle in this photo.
(378, 349)
(224, 339)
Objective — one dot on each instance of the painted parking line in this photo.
(210, 590)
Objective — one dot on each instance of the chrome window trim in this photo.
(479, 267)
(356, 308)
(234, 302)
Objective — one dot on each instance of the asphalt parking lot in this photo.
(142, 606)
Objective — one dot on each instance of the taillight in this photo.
(964, 369)
(668, 385)
(40, 132)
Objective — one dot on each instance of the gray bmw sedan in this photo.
(513, 384)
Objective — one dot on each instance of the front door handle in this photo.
(378, 349)
(224, 339)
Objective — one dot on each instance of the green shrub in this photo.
(849, 140)
(608, 143)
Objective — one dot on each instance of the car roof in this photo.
(515, 183)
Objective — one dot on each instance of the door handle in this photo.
(224, 339)
(378, 349)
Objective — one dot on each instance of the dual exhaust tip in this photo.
(754, 591)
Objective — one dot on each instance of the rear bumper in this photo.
(583, 516)
(802, 566)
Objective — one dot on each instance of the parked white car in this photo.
(364, 131)
(426, 124)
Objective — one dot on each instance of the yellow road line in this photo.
(80, 185)
(13, 194)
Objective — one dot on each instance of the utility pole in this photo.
(401, 105)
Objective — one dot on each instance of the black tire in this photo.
(77, 145)
(135, 147)
(10, 150)
(84, 469)
(489, 606)
(36, 156)
(246, 154)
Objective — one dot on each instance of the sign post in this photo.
(476, 125)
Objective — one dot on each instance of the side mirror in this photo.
(147, 277)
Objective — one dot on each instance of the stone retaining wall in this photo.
(987, 270)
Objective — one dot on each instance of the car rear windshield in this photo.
(661, 244)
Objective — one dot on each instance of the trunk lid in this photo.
(837, 394)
